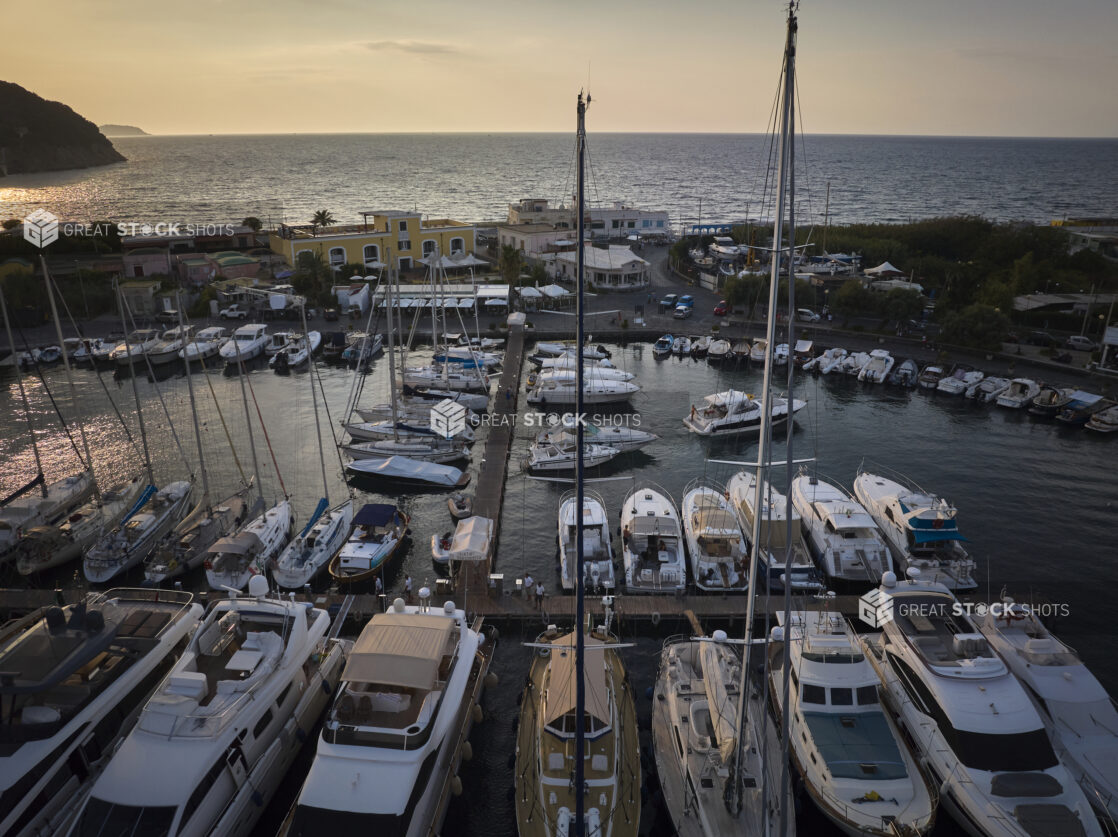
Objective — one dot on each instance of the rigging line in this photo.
(159, 395)
(26, 407)
(100, 379)
(330, 422)
(57, 410)
(232, 448)
(267, 438)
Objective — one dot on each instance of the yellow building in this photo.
(407, 236)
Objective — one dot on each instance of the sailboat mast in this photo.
(314, 403)
(23, 396)
(69, 375)
(193, 406)
(765, 434)
(580, 583)
(390, 321)
(248, 418)
(135, 389)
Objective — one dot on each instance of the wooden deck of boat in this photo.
(489, 490)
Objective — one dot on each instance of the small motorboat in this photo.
(700, 346)
(378, 531)
(663, 346)
(1105, 420)
(1081, 407)
(461, 505)
(470, 541)
(831, 360)
(1049, 401)
(962, 377)
(929, 377)
(987, 389)
(878, 368)
(719, 351)
(1021, 391)
(905, 373)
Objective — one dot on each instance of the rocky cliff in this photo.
(37, 135)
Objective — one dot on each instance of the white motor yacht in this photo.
(715, 543)
(568, 361)
(595, 390)
(138, 343)
(919, 527)
(1078, 713)
(1019, 393)
(247, 342)
(781, 353)
(216, 738)
(205, 344)
(960, 379)
(601, 373)
(877, 368)
(277, 342)
(987, 389)
(701, 345)
(841, 535)
(734, 411)
(930, 376)
(561, 455)
(850, 755)
(130, 542)
(171, 343)
(300, 348)
(905, 374)
(388, 744)
(597, 550)
(781, 560)
(311, 551)
(620, 436)
(233, 561)
(378, 531)
(74, 676)
(652, 542)
(973, 726)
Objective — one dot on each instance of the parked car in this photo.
(169, 316)
(687, 300)
(234, 312)
(330, 315)
(1041, 338)
(669, 302)
(806, 315)
(917, 325)
(682, 312)
(1080, 344)
(722, 309)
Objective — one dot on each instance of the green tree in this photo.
(509, 263)
(538, 274)
(313, 277)
(977, 326)
(253, 223)
(322, 218)
(854, 298)
(901, 304)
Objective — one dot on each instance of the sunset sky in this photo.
(953, 67)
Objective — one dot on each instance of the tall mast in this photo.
(580, 585)
(23, 396)
(390, 322)
(135, 389)
(248, 416)
(193, 407)
(764, 438)
(314, 403)
(69, 376)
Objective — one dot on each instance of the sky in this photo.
(928, 67)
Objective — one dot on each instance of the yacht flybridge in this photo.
(974, 727)
(652, 542)
(386, 746)
(213, 742)
(71, 679)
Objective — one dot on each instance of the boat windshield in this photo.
(107, 819)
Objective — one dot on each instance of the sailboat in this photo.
(578, 725)
(747, 775)
(130, 542)
(185, 547)
(325, 533)
(23, 510)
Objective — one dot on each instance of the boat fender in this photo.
(467, 751)
(491, 680)
(648, 693)
(326, 687)
(479, 713)
(655, 618)
(299, 734)
(258, 799)
(456, 786)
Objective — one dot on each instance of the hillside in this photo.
(123, 131)
(37, 135)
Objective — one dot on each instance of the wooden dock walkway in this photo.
(489, 491)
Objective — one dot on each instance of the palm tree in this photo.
(253, 223)
(322, 218)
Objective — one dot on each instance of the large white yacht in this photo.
(72, 680)
(1079, 715)
(973, 726)
(559, 390)
(919, 527)
(384, 755)
(715, 543)
(781, 560)
(840, 534)
(233, 561)
(597, 551)
(652, 542)
(851, 756)
(733, 411)
(213, 742)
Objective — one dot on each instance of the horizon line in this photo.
(596, 133)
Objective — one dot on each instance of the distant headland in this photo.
(39, 135)
(123, 131)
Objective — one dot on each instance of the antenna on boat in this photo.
(580, 495)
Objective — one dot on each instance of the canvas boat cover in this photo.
(375, 514)
(400, 649)
(471, 539)
(242, 544)
(723, 714)
(562, 683)
(400, 467)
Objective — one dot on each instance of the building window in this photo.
(646, 222)
(457, 246)
(428, 248)
(660, 223)
(372, 254)
(403, 226)
(405, 262)
(403, 244)
(632, 224)
(337, 257)
(616, 223)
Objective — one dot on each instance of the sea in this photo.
(473, 177)
(1036, 500)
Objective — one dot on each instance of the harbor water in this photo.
(1036, 499)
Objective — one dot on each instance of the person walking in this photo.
(528, 583)
(539, 595)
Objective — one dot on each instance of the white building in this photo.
(610, 269)
(615, 221)
(533, 240)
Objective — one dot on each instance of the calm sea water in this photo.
(1037, 500)
(474, 177)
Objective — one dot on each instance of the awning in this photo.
(400, 649)
(554, 291)
(563, 682)
(374, 514)
(531, 293)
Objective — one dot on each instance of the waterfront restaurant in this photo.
(407, 235)
(614, 268)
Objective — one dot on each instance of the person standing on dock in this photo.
(407, 589)
(380, 586)
(528, 582)
(539, 595)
